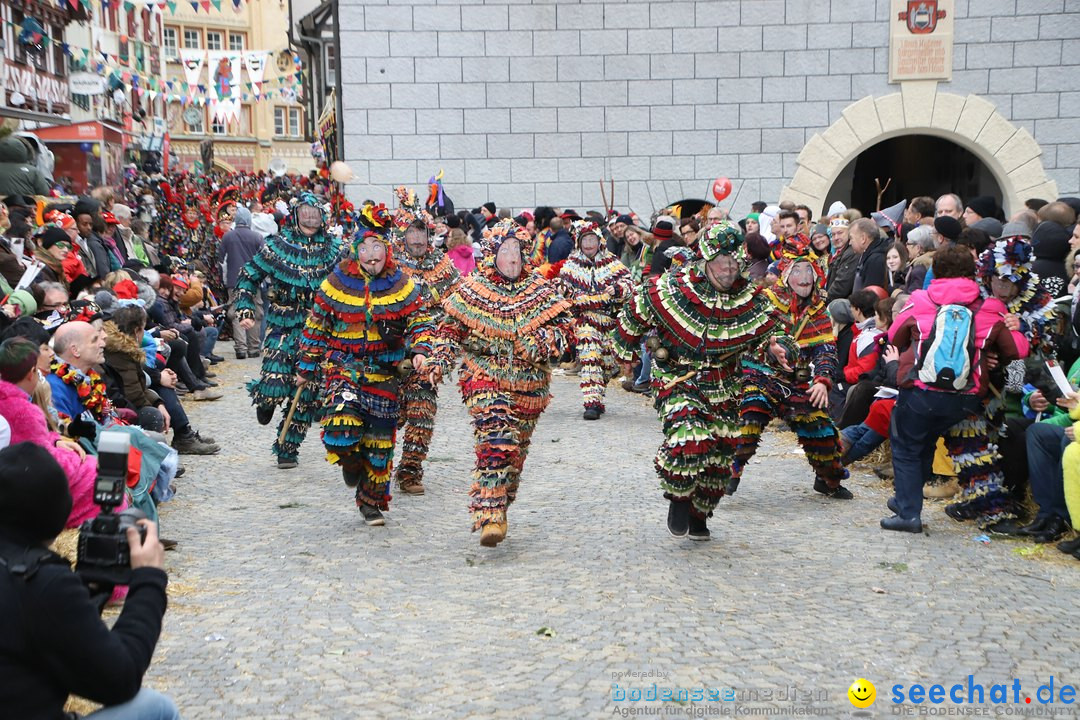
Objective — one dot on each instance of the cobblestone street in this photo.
(284, 605)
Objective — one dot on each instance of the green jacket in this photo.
(18, 174)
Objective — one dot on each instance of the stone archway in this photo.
(1010, 152)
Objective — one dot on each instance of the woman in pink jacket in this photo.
(18, 378)
(925, 411)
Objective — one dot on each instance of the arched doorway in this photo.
(912, 165)
(1008, 152)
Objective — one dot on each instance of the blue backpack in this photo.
(946, 359)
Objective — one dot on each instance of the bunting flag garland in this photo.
(255, 61)
(192, 60)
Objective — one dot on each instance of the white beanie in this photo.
(836, 208)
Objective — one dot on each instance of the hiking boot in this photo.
(493, 533)
(678, 518)
(207, 394)
(371, 514)
(837, 493)
(214, 359)
(241, 356)
(411, 485)
(264, 414)
(941, 491)
(205, 439)
(592, 413)
(699, 529)
(191, 445)
(286, 463)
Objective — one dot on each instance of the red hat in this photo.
(109, 218)
(126, 290)
(179, 281)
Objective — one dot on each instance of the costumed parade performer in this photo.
(435, 276)
(800, 397)
(1012, 291)
(707, 318)
(507, 323)
(368, 316)
(293, 263)
(596, 283)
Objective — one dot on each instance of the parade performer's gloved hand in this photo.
(783, 352)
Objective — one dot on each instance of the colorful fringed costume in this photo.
(506, 331)
(177, 235)
(973, 442)
(769, 393)
(597, 287)
(360, 329)
(436, 277)
(294, 266)
(702, 334)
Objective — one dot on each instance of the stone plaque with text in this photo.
(921, 40)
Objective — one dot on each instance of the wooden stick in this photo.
(288, 418)
(611, 194)
(603, 196)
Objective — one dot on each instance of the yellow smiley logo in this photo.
(862, 693)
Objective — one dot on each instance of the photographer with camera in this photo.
(52, 641)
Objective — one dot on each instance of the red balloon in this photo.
(721, 188)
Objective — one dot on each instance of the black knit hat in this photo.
(490, 207)
(983, 206)
(52, 236)
(34, 497)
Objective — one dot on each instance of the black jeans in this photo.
(178, 419)
(178, 363)
(859, 399)
(918, 420)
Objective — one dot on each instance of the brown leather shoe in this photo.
(411, 486)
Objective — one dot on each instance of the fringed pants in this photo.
(359, 429)
(503, 423)
(595, 347)
(276, 387)
(972, 445)
(765, 397)
(419, 402)
(700, 418)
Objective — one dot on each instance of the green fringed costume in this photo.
(704, 332)
(295, 267)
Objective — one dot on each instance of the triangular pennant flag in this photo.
(205, 5)
(216, 4)
(172, 6)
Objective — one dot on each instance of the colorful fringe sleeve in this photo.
(635, 321)
(315, 341)
(549, 340)
(823, 356)
(420, 333)
(248, 282)
(446, 343)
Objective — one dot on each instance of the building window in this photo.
(192, 40)
(245, 120)
(236, 42)
(280, 121)
(213, 40)
(171, 51)
(331, 65)
(287, 122)
(294, 122)
(59, 61)
(219, 127)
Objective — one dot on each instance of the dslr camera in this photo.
(104, 556)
